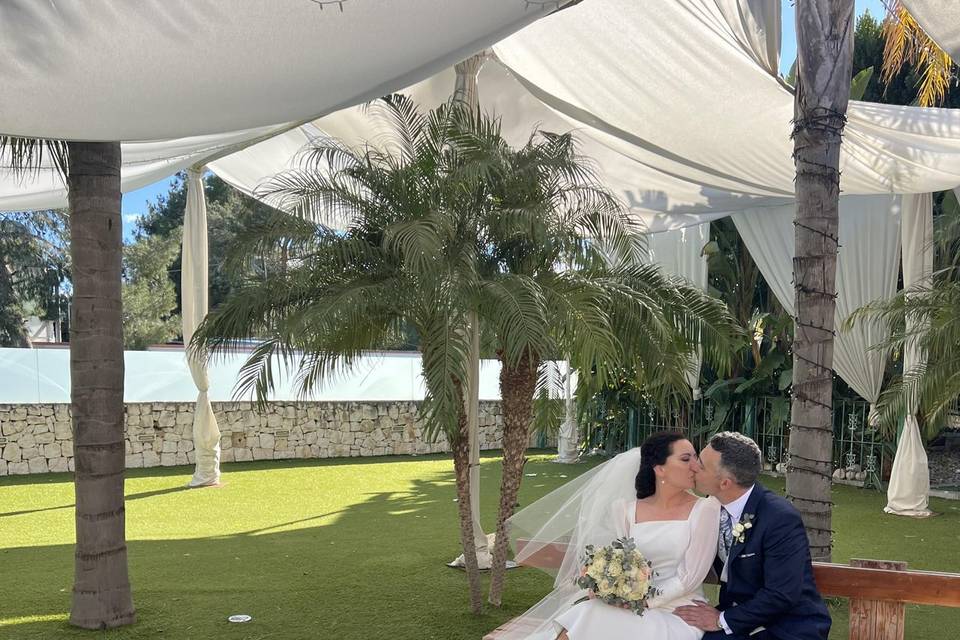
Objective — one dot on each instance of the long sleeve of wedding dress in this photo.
(698, 557)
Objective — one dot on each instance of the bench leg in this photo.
(876, 619)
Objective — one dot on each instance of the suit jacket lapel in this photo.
(750, 507)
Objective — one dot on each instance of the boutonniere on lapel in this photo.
(740, 529)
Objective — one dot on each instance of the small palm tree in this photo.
(101, 591)
(561, 273)
(922, 318)
(407, 258)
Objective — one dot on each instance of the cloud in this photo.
(130, 218)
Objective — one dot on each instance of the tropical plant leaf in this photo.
(858, 86)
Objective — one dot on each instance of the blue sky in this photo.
(788, 46)
(135, 202)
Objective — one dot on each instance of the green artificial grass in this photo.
(341, 549)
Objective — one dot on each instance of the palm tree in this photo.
(825, 59)
(101, 591)
(905, 42)
(407, 258)
(923, 318)
(561, 273)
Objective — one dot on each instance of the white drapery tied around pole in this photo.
(193, 280)
(568, 447)
(909, 489)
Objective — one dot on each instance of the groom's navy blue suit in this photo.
(770, 578)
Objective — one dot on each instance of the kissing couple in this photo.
(753, 539)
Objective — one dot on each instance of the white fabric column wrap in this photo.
(193, 280)
(866, 271)
(567, 445)
(909, 488)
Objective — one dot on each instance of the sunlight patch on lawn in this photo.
(50, 617)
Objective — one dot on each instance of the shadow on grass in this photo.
(374, 569)
(127, 498)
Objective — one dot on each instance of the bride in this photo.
(644, 493)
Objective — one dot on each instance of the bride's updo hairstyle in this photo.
(653, 452)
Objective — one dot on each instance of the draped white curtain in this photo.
(909, 488)
(680, 252)
(866, 271)
(193, 280)
(756, 26)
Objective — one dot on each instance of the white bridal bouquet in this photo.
(618, 574)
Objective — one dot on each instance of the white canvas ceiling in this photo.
(160, 69)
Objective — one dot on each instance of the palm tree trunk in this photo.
(825, 59)
(461, 466)
(517, 387)
(101, 590)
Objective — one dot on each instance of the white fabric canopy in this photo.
(675, 90)
(909, 488)
(941, 20)
(866, 271)
(156, 69)
(699, 128)
(193, 278)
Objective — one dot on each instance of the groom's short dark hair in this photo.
(739, 456)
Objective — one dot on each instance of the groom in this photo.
(763, 557)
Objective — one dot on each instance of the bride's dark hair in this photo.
(654, 451)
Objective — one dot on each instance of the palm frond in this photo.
(27, 156)
(906, 42)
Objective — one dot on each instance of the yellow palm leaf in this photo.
(906, 42)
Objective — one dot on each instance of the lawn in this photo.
(339, 549)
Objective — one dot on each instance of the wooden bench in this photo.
(878, 591)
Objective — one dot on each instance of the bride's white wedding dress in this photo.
(681, 552)
(597, 508)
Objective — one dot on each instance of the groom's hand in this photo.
(699, 615)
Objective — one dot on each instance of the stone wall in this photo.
(37, 438)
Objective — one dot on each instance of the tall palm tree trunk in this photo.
(461, 466)
(517, 387)
(825, 58)
(101, 590)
